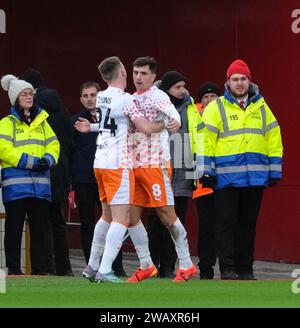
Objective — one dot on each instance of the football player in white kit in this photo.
(152, 171)
(113, 165)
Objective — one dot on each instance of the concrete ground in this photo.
(262, 269)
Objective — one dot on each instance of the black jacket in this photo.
(59, 121)
(84, 151)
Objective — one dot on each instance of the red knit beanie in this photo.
(238, 67)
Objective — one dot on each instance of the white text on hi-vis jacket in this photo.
(296, 282)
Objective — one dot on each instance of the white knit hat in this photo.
(14, 86)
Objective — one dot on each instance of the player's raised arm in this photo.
(83, 125)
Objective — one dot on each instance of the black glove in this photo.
(272, 182)
(42, 165)
(208, 181)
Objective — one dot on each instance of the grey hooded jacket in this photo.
(181, 156)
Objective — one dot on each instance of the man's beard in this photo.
(240, 95)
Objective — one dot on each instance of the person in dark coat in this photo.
(56, 236)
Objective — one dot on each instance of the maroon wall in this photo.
(66, 41)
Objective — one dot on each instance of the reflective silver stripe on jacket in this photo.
(223, 115)
(14, 129)
(212, 128)
(52, 162)
(199, 162)
(264, 118)
(242, 168)
(228, 132)
(207, 168)
(30, 162)
(200, 126)
(241, 131)
(14, 181)
(25, 142)
(6, 137)
(271, 126)
(47, 141)
(34, 142)
(276, 167)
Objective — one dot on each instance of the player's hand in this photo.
(173, 125)
(82, 125)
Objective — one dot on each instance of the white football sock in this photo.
(114, 240)
(98, 243)
(178, 234)
(139, 237)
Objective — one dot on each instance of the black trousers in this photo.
(37, 211)
(56, 242)
(87, 201)
(161, 245)
(237, 210)
(206, 234)
(89, 208)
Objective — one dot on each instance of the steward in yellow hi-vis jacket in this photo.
(28, 148)
(246, 144)
(246, 155)
(21, 148)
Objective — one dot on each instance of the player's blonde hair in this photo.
(109, 68)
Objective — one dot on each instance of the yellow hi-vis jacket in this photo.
(246, 147)
(200, 191)
(21, 146)
(198, 141)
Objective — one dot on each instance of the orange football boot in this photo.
(185, 275)
(142, 274)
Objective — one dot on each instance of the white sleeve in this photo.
(94, 127)
(164, 105)
(172, 113)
